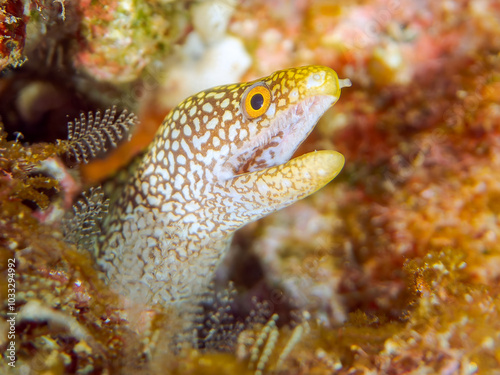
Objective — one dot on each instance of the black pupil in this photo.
(257, 102)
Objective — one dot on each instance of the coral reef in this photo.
(393, 269)
(122, 37)
(12, 33)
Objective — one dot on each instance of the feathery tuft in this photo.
(82, 227)
(89, 135)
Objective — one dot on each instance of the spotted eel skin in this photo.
(220, 160)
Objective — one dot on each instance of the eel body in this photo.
(220, 160)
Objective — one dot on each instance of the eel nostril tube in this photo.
(345, 82)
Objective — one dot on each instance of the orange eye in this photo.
(256, 100)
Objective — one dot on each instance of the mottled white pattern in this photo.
(210, 171)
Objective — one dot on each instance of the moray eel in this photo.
(220, 160)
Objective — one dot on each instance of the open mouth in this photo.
(277, 143)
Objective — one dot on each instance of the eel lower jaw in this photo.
(257, 194)
(277, 143)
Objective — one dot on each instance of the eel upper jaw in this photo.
(277, 143)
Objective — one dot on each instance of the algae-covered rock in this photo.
(392, 269)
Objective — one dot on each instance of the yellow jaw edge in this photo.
(271, 189)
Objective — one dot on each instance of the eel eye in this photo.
(256, 100)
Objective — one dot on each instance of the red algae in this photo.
(393, 269)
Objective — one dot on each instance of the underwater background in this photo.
(393, 268)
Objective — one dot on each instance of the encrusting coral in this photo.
(393, 269)
(122, 37)
(12, 33)
(60, 302)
